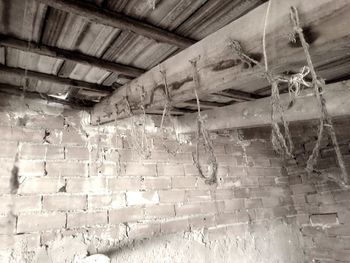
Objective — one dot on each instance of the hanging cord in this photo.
(282, 144)
(202, 131)
(167, 113)
(325, 120)
(167, 105)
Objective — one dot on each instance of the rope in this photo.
(282, 144)
(264, 35)
(325, 120)
(202, 132)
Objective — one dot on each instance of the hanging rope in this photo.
(202, 132)
(167, 105)
(325, 120)
(167, 113)
(282, 144)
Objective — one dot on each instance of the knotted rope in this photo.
(325, 120)
(202, 132)
(282, 144)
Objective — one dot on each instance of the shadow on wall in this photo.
(270, 242)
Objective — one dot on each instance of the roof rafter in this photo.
(219, 67)
(74, 56)
(104, 90)
(118, 20)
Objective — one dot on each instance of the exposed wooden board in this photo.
(17, 91)
(238, 95)
(203, 104)
(68, 55)
(118, 20)
(54, 79)
(219, 68)
(258, 113)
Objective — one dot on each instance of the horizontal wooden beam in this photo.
(238, 95)
(73, 56)
(103, 16)
(104, 90)
(219, 68)
(203, 104)
(18, 91)
(258, 113)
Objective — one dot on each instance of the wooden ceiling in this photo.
(78, 52)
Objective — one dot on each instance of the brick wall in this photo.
(90, 180)
(323, 208)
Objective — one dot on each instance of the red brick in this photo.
(251, 181)
(147, 230)
(270, 201)
(40, 222)
(200, 222)
(21, 134)
(64, 202)
(170, 169)
(21, 203)
(79, 153)
(138, 169)
(6, 166)
(156, 183)
(253, 203)
(177, 225)
(190, 170)
(188, 209)
(81, 219)
(172, 196)
(186, 182)
(4, 185)
(266, 181)
(302, 188)
(7, 225)
(73, 137)
(42, 152)
(106, 201)
(124, 183)
(104, 169)
(73, 169)
(95, 184)
(40, 185)
(142, 198)
(45, 121)
(225, 218)
(31, 168)
(263, 171)
(198, 195)
(159, 211)
(8, 149)
(324, 219)
(234, 204)
(341, 196)
(212, 207)
(127, 214)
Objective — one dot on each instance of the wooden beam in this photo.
(104, 90)
(238, 95)
(73, 56)
(18, 91)
(258, 113)
(203, 104)
(220, 69)
(103, 16)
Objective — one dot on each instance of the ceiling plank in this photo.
(238, 95)
(103, 16)
(258, 113)
(104, 90)
(18, 91)
(73, 56)
(220, 69)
